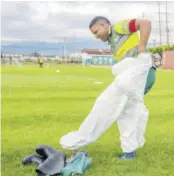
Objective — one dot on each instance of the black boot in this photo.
(50, 161)
(30, 159)
(54, 160)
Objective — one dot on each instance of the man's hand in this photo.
(141, 49)
(157, 60)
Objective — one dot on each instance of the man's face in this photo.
(100, 30)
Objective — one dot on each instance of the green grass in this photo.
(40, 105)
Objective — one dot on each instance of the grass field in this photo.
(41, 105)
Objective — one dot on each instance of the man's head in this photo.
(99, 26)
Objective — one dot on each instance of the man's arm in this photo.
(144, 26)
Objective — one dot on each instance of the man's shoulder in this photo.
(124, 26)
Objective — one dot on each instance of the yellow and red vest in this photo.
(123, 43)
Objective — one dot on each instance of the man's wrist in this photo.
(142, 49)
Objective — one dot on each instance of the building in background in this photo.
(168, 60)
(97, 57)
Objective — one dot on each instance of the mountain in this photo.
(51, 47)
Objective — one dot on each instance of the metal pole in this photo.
(167, 30)
(159, 22)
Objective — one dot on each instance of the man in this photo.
(122, 101)
(40, 61)
(122, 31)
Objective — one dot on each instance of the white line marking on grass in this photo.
(98, 82)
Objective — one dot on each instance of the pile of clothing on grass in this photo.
(52, 162)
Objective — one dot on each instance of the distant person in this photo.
(10, 60)
(40, 61)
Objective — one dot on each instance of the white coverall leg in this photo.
(132, 128)
(122, 101)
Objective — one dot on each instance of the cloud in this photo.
(52, 21)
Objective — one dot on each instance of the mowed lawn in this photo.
(41, 105)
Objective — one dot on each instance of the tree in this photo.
(35, 54)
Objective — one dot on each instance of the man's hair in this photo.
(97, 19)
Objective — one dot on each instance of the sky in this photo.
(51, 21)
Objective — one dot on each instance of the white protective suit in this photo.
(121, 102)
